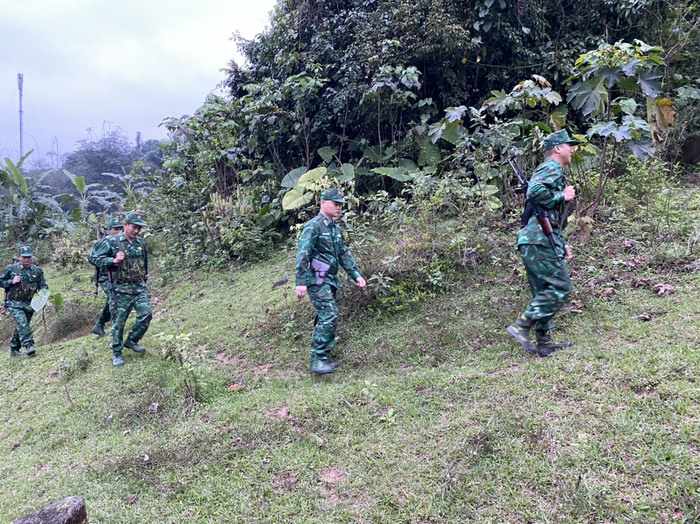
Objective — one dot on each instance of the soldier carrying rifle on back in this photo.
(542, 247)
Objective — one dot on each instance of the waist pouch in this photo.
(320, 269)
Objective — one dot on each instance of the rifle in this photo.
(541, 214)
(98, 231)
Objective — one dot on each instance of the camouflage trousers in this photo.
(124, 303)
(23, 336)
(549, 283)
(106, 313)
(323, 336)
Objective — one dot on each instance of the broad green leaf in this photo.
(649, 82)
(453, 114)
(373, 154)
(409, 164)
(348, 172)
(39, 300)
(310, 178)
(429, 153)
(295, 198)
(609, 75)
(590, 98)
(327, 153)
(292, 178)
(57, 300)
(558, 117)
(640, 149)
(628, 106)
(397, 173)
(453, 132)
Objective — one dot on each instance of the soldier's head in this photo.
(133, 223)
(25, 255)
(332, 202)
(559, 146)
(114, 225)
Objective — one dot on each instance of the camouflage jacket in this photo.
(131, 273)
(322, 239)
(545, 190)
(20, 295)
(104, 279)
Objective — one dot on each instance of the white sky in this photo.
(103, 64)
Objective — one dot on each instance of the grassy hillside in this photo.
(434, 416)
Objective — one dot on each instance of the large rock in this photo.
(70, 510)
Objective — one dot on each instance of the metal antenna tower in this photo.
(20, 84)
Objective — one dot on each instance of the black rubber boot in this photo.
(134, 346)
(520, 331)
(321, 366)
(98, 330)
(546, 346)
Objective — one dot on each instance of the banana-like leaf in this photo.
(77, 181)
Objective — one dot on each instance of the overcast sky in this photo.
(99, 65)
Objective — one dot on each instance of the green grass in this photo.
(434, 416)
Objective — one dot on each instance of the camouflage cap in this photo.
(334, 194)
(114, 222)
(557, 138)
(25, 251)
(135, 218)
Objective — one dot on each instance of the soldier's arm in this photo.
(541, 189)
(6, 277)
(305, 248)
(102, 254)
(347, 261)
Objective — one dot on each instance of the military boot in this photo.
(134, 346)
(520, 331)
(98, 329)
(30, 351)
(117, 359)
(546, 346)
(321, 366)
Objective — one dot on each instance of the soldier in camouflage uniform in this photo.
(546, 266)
(21, 281)
(320, 250)
(125, 255)
(114, 226)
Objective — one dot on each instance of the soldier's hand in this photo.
(118, 258)
(569, 193)
(17, 279)
(300, 291)
(360, 282)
